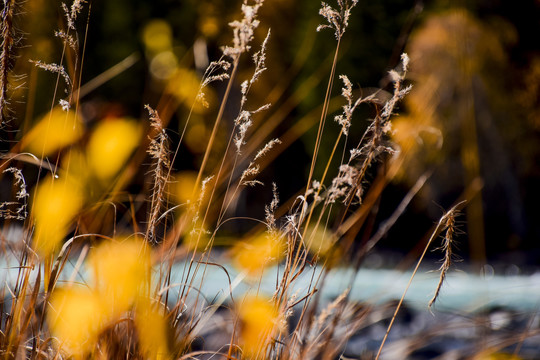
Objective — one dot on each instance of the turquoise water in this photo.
(461, 291)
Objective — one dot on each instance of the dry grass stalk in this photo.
(9, 40)
(70, 42)
(450, 229)
(244, 30)
(253, 168)
(210, 76)
(441, 225)
(317, 334)
(338, 19)
(54, 68)
(270, 210)
(6, 208)
(375, 146)
(159, 151)
(72, 12)
(243, 121)
(243, 33)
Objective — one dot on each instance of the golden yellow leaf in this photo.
(56, 202)
(121, 272)
(259, 252)
(152, 328)
(111, 145)
(75, 317)
(55, 130)
(259, 322)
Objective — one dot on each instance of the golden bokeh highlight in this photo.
(54, 131)
(182, 187)
(258, 253)
(184, 85)
(152, 328)
(56, 203)
(76, 317)
(259, 323)
(209, 26)
(110, 146)
(195, 133)
(157, 36)
(163, 65)
(121, 271)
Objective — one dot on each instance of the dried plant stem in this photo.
(6, 57)
(159, 150)
(216, 125)
(447, 247)
(386, 225)
(440, 226)
(296, 260)
(323, 116)
(107, 75)
(323, 178)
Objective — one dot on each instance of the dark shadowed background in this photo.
(473, 116)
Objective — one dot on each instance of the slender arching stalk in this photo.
(216, 124)
(323, 116)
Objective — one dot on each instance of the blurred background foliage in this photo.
(473, 115)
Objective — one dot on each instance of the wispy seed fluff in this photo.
(244, 30)
(337, 19)
(243, 121)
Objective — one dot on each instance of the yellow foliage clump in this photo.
(121, 272)
(76, 317)
(259, 322)
(152, 328)
(55, 130)
(261, 251)
(111, 144)
(56, 203)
